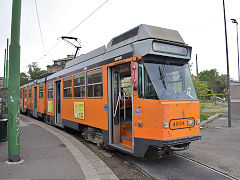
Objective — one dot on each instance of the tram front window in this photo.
(165, 81)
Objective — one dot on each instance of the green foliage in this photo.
(201, 88)
(211, 77)
(216, 84)
(24, 78)
(34, 71)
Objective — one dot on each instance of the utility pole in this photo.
(196, 66)
(228, 78)
(4, 76)
(7, 65)
(13, 85)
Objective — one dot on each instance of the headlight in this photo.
(190, 122)
(198, 121)
(166, 125)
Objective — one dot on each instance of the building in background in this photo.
(235, 99)
(59, 64)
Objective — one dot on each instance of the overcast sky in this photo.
(200, 23)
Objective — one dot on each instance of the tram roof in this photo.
(142, 32)
(138, 33)
(134, 42)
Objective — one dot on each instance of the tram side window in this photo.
(94, 84)
(67, 87)
(145, 86)
(30, 93)
(79, 85)
(41, 91)
(20, 93)
(50, 90)
(25, 93)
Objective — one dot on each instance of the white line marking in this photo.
(205, 166)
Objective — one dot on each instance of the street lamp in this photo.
(235, 22)
(228, 77)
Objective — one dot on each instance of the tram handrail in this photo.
(115, 112)
(124, 104)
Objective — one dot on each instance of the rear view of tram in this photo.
(164, 109)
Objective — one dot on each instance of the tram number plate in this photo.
(180, 124)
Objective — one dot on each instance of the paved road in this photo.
(219, 147)
(175, 167)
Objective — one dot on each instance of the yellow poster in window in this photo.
(50, 106)
(79, 110)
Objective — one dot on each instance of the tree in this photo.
(217, 84)
(24, 78)
(34, 71)
(211, 77)
(201, 88)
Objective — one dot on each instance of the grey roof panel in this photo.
(83, 57)
(146, 32)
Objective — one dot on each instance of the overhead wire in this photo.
(58, 40)
(40, 29)
(87, 17)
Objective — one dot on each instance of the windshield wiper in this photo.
(162, 75)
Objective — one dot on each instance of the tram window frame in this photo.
(94, 84)
(40, 88)
(20, 93)
(50, 90)
(80, 85)
(65, 88)
(30, 92)
(144, 78)
(25, 93)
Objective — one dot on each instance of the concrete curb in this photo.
(92, 166)
(213, 110)
(210, 119)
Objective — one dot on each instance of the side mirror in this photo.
(134, 75)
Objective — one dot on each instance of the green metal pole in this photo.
(7, 66)
(4, 76)
(13, 85)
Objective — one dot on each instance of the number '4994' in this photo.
(178, 123)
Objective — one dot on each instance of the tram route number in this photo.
(179, 124)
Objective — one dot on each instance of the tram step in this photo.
(126, 132)
(126, 138)
(127, 141)
(127, 125)
(127, 129)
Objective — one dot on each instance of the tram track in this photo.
(208, 167)
(134, 161)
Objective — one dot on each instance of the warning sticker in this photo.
(79, 110)
(50, 106)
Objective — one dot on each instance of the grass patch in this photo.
(205, 115)
(213, 106)
(98, 153)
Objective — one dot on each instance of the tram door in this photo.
(58, 104)
(120, 106)
(35, 101)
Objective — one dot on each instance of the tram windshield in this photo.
(165, 81)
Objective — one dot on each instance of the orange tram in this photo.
(133, 95)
